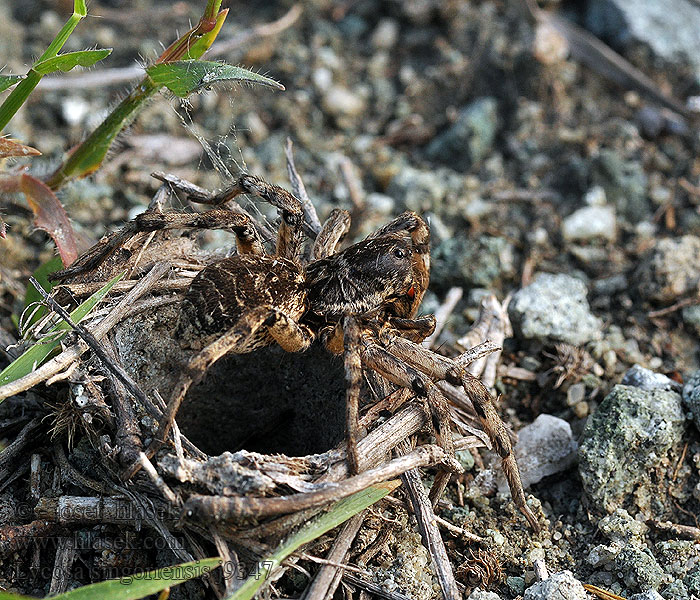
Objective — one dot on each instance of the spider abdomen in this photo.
(221, 295)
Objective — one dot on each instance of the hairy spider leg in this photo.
(441, 368)
(353, 381)
(377, 358)
(290, 236)
(332, 233)
(247, 238)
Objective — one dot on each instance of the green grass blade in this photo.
(34, 356)
(19, 95)
(11, 596)
(7, 81)
(79, 12)
(338, 513)
(134, 587)
(42, 276)
(145, 584)
(69, 60)
(184, 77)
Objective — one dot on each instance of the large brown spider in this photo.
(361, 301)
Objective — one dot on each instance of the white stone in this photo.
(560, 586)
(590, 222)
(340, 101)
(385, 35)
(596, 196)
(544, 448)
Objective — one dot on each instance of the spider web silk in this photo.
(220, 155)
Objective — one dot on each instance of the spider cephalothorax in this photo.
(361, 301)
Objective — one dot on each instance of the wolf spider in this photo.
(361, 302)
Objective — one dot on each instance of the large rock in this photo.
(670, 28)
(554, 308)
(622, 443)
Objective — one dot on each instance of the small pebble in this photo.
(385, 35)
(590, 222)
(596, 196)
(340, 101)
(582, 409)
(575, 394)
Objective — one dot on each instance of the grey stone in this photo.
(483, 595)
(692, 581)
(624, 183)
(648, 595)
(691, 397)
(590, 222)
(560, 586)
(671, 269)
(677, 556)
(691, 317)
(623, 530)
(425, 191)
(516, 585)
(602, 555)
(675, 591)
(544, 447)
(482, 262)
(646, 379)
(554, 308)
(670, 28)
(639, 570)
(624, 440)
(470, 138)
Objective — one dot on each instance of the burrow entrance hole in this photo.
(268, 401)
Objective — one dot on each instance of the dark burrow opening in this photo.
(268, 401)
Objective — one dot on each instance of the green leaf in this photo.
(42, 276)
(7, 81)
(37, 354)
(11, 596)
(79, 8)
(19, 95)
(69, 60)
(141, 585)
(202, 43)
(337, 514)
(187, 76)
(133, 587)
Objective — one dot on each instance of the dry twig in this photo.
(425, 517)
(74, 352)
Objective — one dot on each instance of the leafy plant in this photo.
(177, 69)
(48, 62)
(136, 586)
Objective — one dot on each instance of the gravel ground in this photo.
(540, 178)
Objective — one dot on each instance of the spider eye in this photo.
(400, 253)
